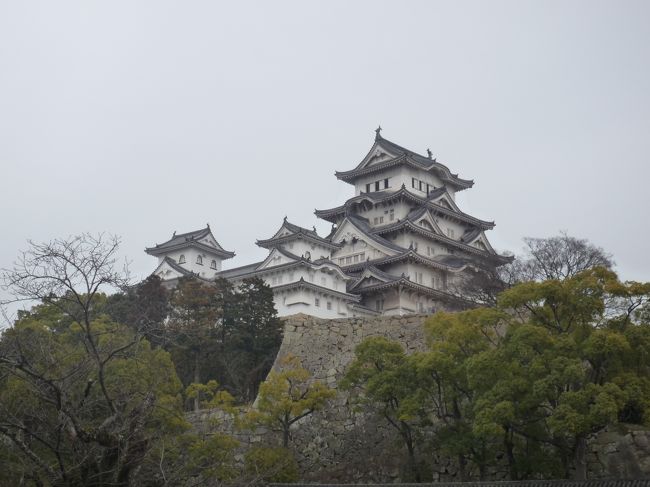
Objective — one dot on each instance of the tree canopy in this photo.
(523, 384)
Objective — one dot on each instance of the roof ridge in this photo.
(176, 235)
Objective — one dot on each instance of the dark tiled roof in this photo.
(361, 224)
(385, 276)
(180, 269)
(252, 270)
(407, 223)
(439, 262)
(177, 267)
(316, 287)
(471, 235)
(237, 271)
(381, 196)
(405, 156)
(298, 232)
(182, 240)
(404, 281)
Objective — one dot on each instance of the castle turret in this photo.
(403, 236)
(193, 253)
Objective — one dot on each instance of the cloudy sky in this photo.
(139, 118)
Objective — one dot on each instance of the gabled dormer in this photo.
(299, 240)
(387, 166)
(197, 252)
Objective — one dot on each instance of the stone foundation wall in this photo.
(339, 445)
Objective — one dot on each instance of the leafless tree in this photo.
(560, 257)
(83, 430)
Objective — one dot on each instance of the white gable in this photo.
(481, 242)
(377, 154)
(429, 222)
(283, 232)
(275, 258)
(446, 201)
(167, 272)
(349, 232)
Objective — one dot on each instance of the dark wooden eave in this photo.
(407, 157)
(315, 287)
(333, 215)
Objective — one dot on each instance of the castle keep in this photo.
(400, 245)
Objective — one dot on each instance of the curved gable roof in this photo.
(203, 239)
(399, 155)
(289, 232)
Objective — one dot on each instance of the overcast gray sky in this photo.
(144, 117)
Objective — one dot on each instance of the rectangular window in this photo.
(376, 220)
(427, 190)
(381, 219)
(376, 185)
(362, 256)
(329, 305)
(317, 302)
(348, 260)
(368, 188)
(420, 185)
(413, 182)
(341, 261)
(280, 279)
(323, 281)
(356, 258)
(385, 183)
(391, 215)
(379, 305)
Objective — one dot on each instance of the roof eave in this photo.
(157, 251)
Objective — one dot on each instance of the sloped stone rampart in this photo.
(341, 445)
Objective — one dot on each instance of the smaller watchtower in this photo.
(193, 253)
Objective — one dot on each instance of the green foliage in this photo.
(58, 398)
(287, 396)
(253, 337)
(217, 332)
(382, 378)
(270, 465)
(527, 381)
(215, 398)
